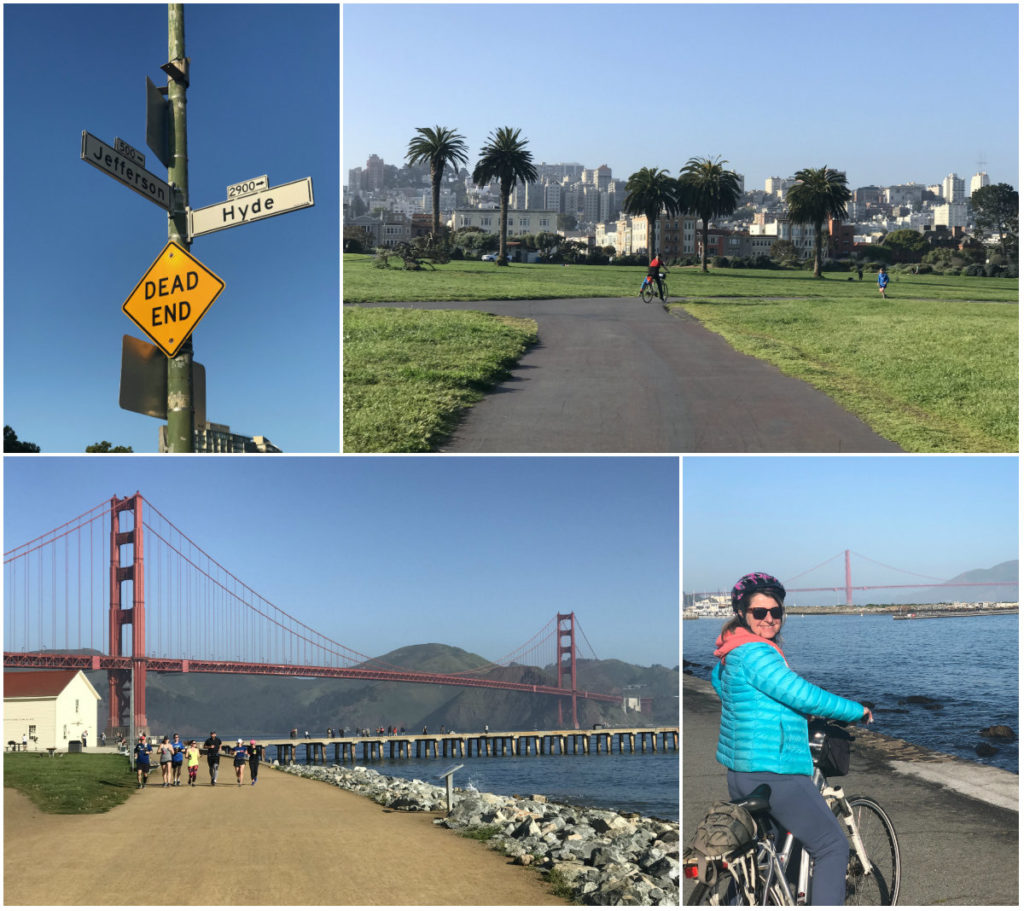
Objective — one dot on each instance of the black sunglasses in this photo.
(761, 612)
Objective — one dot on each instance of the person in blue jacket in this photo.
(883, 281)
(763, 737)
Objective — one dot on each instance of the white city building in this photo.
(978, 181)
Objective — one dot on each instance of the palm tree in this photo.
(707, 189)
(438, 147)
(818, 194)
(648, 191)
(504, 157)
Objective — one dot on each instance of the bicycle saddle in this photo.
(757, 801)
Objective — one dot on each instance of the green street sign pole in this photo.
(180, 411)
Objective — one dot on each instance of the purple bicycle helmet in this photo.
(757, 582)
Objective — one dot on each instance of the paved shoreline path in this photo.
(956, 820)
(615, 375)
(286, 841)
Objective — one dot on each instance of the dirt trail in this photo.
(284, 841)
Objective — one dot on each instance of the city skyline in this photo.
(758, 185)
(879, 127)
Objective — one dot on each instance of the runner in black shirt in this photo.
(212, 747)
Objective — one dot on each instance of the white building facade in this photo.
(520, 221)
(49, 708)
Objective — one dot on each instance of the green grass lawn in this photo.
(71, 783)
(410, 373)
(933, 368)
(462, 280)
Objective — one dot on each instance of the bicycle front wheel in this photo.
(882, 885)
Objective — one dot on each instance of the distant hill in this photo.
(257, 705)
(1002, 572)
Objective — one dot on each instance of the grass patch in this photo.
(71, 783)
(468, 280)
(409, 374)
(481, 833)
(933, 368)
(561, 886)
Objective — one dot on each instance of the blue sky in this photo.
(936, 516)
(381, 552)
(887, 93)
(264, 99)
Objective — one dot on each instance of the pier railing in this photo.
(367, 748)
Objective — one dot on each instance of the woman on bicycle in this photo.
(763, 737)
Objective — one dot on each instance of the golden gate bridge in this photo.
(848, 588)
(121, 589)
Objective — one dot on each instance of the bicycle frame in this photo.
(778, 858)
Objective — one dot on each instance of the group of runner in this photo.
(173, 754)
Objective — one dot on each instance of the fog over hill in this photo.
(258, 705)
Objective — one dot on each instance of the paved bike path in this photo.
(619, 375)
(956, 848)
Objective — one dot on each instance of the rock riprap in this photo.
(603, 857)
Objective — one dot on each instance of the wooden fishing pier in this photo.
(367, 748)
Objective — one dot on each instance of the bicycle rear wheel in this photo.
(647, 293)
(882, 885)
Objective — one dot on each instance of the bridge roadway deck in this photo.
(481, 743)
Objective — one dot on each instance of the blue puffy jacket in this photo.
(764, 704)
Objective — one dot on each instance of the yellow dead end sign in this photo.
(172, 297)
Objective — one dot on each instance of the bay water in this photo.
(968, 666)
(644, 783)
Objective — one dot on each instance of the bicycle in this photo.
(648, 289)
(756, 873)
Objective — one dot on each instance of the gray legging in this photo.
(798, 805)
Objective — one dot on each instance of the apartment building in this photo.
(954, 215)
(953, 188)
(520, 221)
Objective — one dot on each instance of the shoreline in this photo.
(973, 779)
(899, 611)
(599, 856)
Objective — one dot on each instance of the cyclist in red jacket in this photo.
(654, 273)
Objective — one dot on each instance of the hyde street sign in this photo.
(172, 297)
(124, 169)
(241, 211)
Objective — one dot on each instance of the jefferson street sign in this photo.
(122, 168)
(172, 297)
(241, 211)
(129, 152)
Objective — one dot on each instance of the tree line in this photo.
(705, 188)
